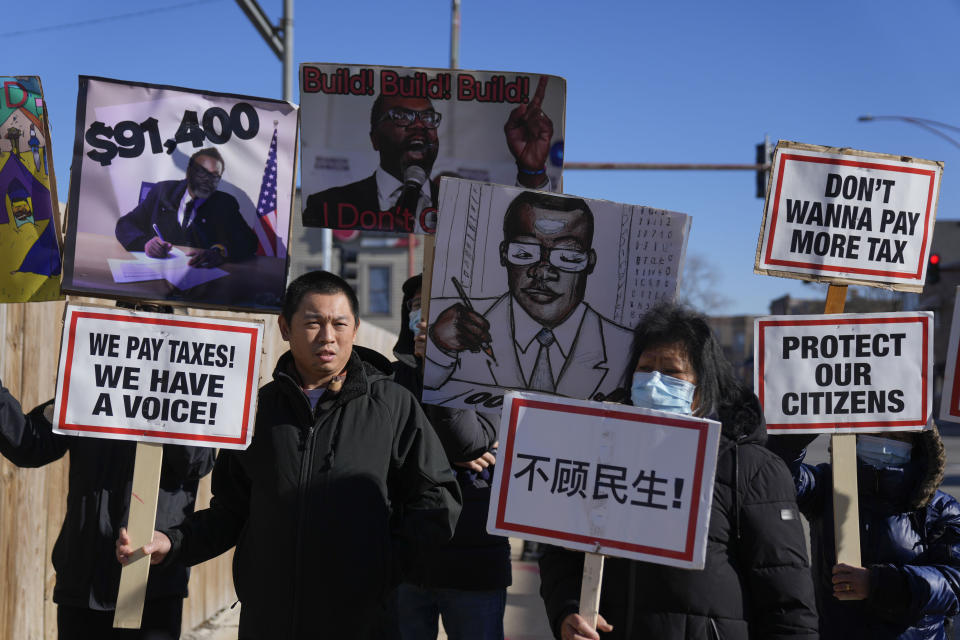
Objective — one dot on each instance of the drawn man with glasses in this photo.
(190, 213)
(540, 335)
(400, 194)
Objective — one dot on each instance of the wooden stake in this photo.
(143, 515)
(590, 588)
(843, 447)
(429, 248)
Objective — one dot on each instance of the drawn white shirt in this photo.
(525, 330)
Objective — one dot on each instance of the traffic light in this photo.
(764, 157)
(348, 265)
(933, 269)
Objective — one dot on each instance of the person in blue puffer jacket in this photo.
(909, 585)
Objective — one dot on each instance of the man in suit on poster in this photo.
(190, 212)
(540, 335)
(404, 131)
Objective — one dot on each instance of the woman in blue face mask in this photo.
(756, 582)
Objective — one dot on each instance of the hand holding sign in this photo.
(528, 131)
(574, 627)
(157, 548)
(850, 583)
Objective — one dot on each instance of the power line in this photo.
(122, 16)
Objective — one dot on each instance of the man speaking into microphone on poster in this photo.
(405, 133)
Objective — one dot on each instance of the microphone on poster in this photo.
(413, 179)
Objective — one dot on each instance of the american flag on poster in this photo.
(267, 205)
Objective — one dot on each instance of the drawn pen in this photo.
(487, 349)
(156, 230)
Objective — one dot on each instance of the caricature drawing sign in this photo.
(180, 195)
(29, 238)
(510, 303)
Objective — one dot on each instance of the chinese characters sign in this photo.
(605, 478)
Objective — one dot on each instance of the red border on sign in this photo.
(953, 408)
(686, 554)
(854, 270)
(189, 437)
(923, 320)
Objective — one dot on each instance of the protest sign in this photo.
(29, 213)
(950, 396)
(510, 303)
(180, 195)
(604, 478)
(370, 132)
(157, 378)
(844, 373)
(845, 216)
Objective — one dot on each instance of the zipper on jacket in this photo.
(305, 460)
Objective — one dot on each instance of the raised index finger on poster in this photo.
(845, 373)
(605, 478)
(158, 378)
(845, 216)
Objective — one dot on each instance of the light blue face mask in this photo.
(883, 452)
(653, 390)
(414, 321)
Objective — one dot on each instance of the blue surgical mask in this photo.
(414, 321)
(653, 390)
(883, 452)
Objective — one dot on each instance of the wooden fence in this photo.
(33, 501)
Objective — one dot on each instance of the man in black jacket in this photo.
(98, 502)
(342, 486)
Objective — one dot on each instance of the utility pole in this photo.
(280, 40)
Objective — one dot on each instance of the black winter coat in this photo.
(98, 502)
(909, 540)
(325, 508)
(756, 582)
(473, 559)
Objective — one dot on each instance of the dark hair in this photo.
(547, 201)
(669, 323)
(322, 282)
(210, 152)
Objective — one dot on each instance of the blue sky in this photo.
(647, 82)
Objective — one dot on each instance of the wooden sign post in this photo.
(590, 588)
(116, 380)
(843, 447)
(143, 515)
(879, 210)
(429, 248)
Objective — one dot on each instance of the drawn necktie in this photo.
(542, 377)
